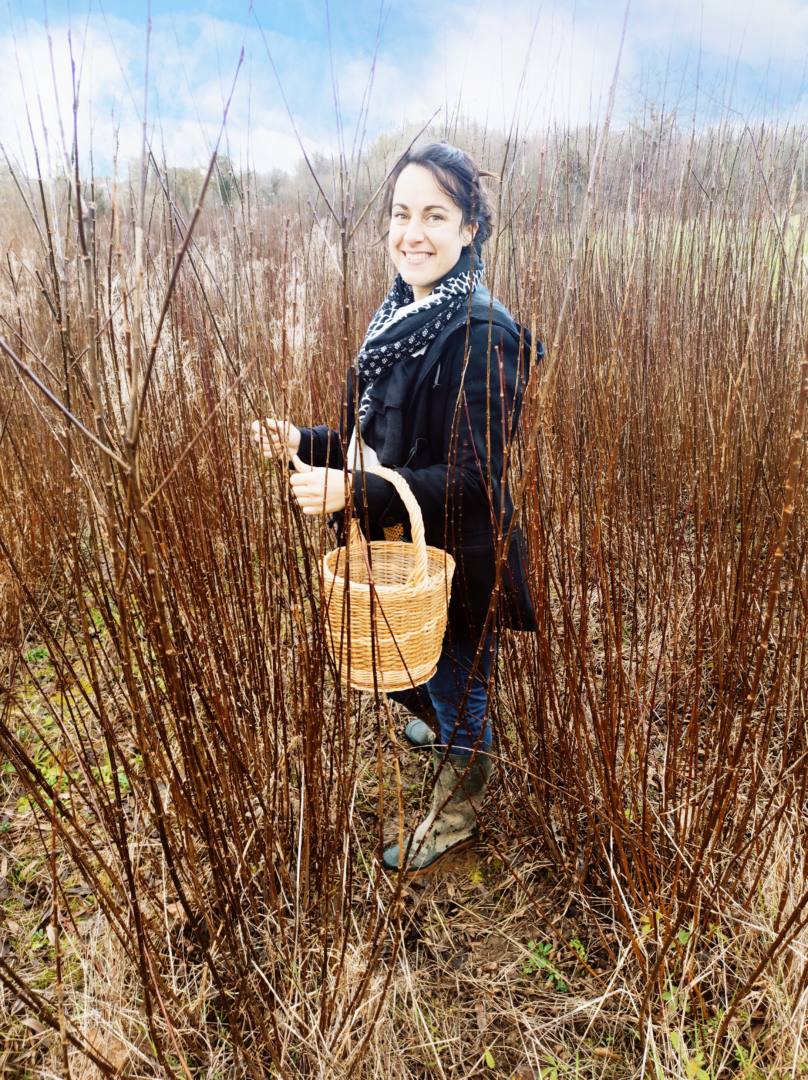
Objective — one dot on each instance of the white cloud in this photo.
(551, 64)
(30, 88)
(192, 64)
(491, 64)
(747, 30)
(555, 62)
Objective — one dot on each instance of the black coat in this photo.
(445, 420)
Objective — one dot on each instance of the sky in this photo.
(543, 64)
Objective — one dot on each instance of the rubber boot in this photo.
(421, 731)
(452, 822)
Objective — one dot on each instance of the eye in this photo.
(436, 217)
(398, 215)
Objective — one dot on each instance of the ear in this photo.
(468, 232)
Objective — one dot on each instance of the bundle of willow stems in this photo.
(190, 792)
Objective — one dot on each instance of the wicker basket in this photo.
(387, 616)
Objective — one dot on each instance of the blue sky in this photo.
(547, 63)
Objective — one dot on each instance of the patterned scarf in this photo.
(403, 326)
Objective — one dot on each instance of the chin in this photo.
(415, 280)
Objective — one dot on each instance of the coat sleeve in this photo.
(482, 403)
(321, 446)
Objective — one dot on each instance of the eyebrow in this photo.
(434, 206)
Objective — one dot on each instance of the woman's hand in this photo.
(320, 491)
(275, 437)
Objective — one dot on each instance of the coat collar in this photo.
(482, 309)
(401, 385)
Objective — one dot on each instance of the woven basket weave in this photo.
(387, 603)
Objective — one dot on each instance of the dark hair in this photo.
(459, 177)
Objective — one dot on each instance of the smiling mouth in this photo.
(417, 257)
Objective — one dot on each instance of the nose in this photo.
(414, 231)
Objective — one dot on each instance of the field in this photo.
(192, 808)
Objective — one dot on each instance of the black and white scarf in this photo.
(403, 326)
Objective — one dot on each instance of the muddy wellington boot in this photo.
(452, 822)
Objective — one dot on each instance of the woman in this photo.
(435, 394)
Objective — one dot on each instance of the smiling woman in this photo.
(435, 394)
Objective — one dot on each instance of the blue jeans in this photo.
(464, 730)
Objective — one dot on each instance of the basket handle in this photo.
(419, 570)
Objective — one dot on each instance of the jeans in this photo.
(445, 691)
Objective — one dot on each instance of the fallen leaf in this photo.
(108, 1046)
(176, 911)
(35, 1025)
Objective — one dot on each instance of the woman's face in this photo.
(426, 230)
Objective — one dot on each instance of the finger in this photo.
(269, 428)
(310, 496)
(305, 481)
(310, 507)
(302, 489)
(264, 441)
